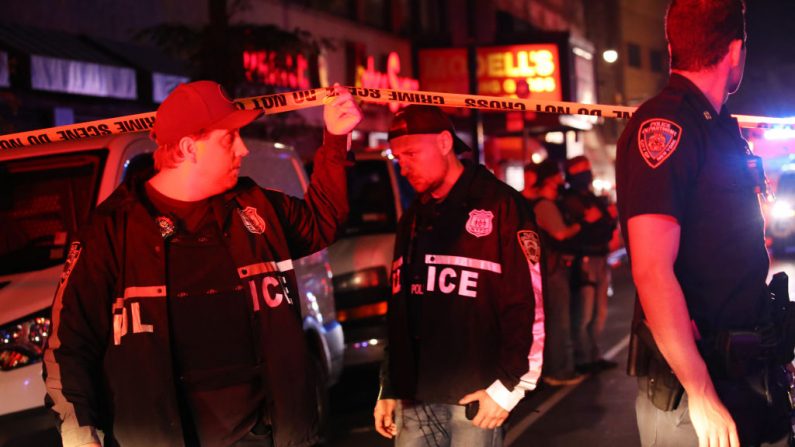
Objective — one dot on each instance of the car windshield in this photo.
(371, 198)
(43, 203)
(275, 169)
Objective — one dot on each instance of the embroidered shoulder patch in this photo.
(657, 140)
(531, 245)
(71, 259)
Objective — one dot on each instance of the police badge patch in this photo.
(167, 226)
(657, 140)
(531, 245)
(253, 222)
(479, 223)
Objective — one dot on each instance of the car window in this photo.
(371, 198)
(139, 166)
(279, 171)
(44, 202)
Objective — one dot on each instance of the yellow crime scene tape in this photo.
(304, 99)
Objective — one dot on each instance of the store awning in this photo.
(166, 72)
(63, 63)
(82, 78)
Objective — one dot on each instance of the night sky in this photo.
(769, 84)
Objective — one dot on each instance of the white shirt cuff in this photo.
(504, 398)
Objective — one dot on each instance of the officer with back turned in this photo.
(704, 344)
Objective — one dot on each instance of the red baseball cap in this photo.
(195, 107)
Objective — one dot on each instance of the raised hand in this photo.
(340, 113)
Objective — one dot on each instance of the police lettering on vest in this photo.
(447, 280)
(270, 292)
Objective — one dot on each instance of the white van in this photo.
(362, 258)
(47, 192)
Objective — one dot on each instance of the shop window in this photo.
(432, 16)
(633, 55)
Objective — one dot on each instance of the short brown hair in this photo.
(168, 156)
(700, 31)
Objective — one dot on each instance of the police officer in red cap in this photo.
(177, 320)
(465, 319)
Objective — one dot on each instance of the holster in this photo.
(782, 314)
(655, 377)
(736, 354)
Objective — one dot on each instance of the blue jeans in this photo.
(440, 425)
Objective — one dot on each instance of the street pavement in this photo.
(598, 412)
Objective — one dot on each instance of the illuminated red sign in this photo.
(444, 70)
(500, 67)
(266, 67)
(368, 77)
(498, 70)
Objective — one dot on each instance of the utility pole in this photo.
(472, 65)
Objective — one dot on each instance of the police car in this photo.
(48, 192)
(362, 258)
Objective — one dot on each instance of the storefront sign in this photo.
(498, 70)
(444, 70)
(276, 69)
(82, 78)
(369, 77)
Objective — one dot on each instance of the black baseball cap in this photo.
(417, 119)
(546, 169)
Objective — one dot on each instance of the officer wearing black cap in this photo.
(466, 316)
(688, 205)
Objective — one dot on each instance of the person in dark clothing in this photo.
(530, 178)
(465, 318)
(559, 367)
(590, 276)
(176, 321)
(688, 201)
